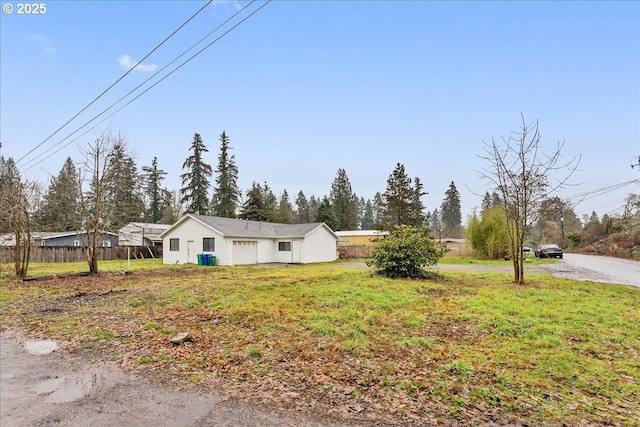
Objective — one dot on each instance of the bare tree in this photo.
(524, 177)
(17, 198)
(94, 171)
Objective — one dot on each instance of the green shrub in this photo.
(405, 252)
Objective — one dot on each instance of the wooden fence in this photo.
(354, 251)
(76, 254)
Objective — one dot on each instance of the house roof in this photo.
(232, 227)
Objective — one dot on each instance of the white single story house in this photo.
(239, 241)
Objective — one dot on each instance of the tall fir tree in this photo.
(378, 211)
(260, 204)
(60, 210)
(153, 189)
(226, 195)
(122, 196)
(195, 181)
(451, 214)
(402, 200)
(367, 216)
(285, 210)
(254, 206)
(326, 213)
(435, 223)
(302, 208)
(314, 205)
(343, 202)
(486, 202)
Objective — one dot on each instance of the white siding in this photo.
(283, 256)
(319, 246)
(192, 230)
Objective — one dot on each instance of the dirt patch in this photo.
(57, 389)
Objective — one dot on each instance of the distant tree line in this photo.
(107, 179)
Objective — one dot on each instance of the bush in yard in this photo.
(405, 252)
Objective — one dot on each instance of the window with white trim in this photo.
(284, 246)
(174, 244)
(76, 243)
(208, 244)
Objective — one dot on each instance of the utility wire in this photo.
(74, 74)
(44, 55)
(117, 81)
(156, 83)
(133, 90)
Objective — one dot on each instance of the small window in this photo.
(284, 246)
(76, 243)
(174, 244)
(106, 243)
(42, 242)
(208, 244)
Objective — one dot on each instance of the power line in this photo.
(74, 74)
(44, 55)
(133, 90)
(117, 81)
(150, 87)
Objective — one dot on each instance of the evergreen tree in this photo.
(367, 216)
(326, 213)
(226, 195)
(451, 215)
(270, 203)
(378, 211)
(260, 205)
(314, 205)
(343, 201)
(195, 182)
(486, 201)
(285, 210)
(60, 210)
(402, 204)
(496, 200)
(122, 196)
(435, 222)
(172, 207)
(302, 208)
(153, 179)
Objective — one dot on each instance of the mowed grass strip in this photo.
(474, 347)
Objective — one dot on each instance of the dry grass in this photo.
(470, 348)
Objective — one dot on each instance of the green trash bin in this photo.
(212, 260)
(205, 259)
(200, 260)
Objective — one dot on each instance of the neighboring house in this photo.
(141, 234)
(360, 237)
(63, 238)
(239, 241)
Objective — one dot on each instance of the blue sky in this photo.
(305, 88)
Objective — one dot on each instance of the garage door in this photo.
(245, 252)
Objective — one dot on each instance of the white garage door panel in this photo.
(245, 252)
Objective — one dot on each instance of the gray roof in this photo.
(231, 227)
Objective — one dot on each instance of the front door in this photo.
(191, 252)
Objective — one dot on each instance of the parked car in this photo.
(548, 251)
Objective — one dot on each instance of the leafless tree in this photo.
(93, 173)
(524, 177)
(17, 197)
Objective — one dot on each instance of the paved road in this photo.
(599, 269)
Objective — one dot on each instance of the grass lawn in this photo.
(466, 347)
